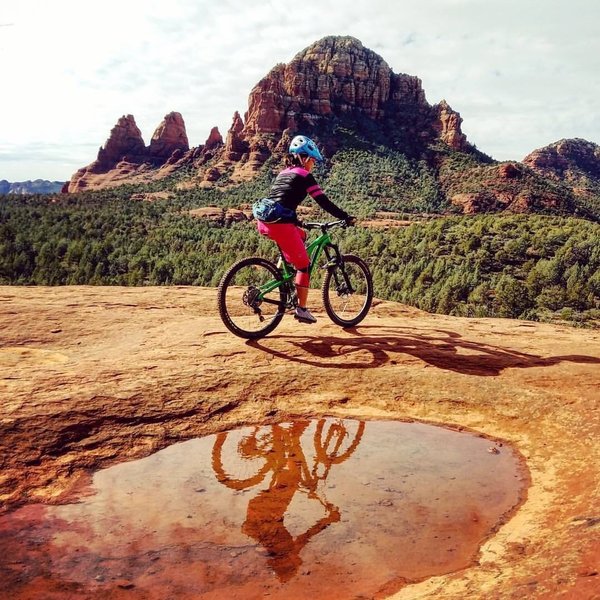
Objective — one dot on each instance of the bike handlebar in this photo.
(324, 226)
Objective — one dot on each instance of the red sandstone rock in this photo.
(334, 77)
(234, 215)
(212, 174)
(471, 203)
(566, 158)
(125, 140)
(211, 213)
(574, 161)
(333, 80)
(509, 170)
(169, 136)
(124, 158)
(215, 140)
(93, 376)
(234, 144)
(223, 216)
(448, 126)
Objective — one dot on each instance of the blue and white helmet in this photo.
(304, 145)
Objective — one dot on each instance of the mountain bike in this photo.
(255, 293)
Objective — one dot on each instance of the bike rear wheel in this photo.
(243, 309)
(347, 291)
(241, 459)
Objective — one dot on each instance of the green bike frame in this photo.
(321, 244)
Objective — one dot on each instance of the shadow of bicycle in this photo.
(446, 350)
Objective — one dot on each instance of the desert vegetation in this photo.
(540, 267)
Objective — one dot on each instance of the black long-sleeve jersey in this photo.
(293, 184)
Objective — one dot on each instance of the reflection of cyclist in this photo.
(283, 455)
(289, 189)
(266, 511)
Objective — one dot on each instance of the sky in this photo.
(522, 73)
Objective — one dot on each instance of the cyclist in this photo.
(288, 190)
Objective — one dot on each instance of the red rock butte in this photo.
(125, 155)
(336, 77)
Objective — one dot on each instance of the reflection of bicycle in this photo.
(241, 460)
(254, 293)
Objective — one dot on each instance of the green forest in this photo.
(538, 267)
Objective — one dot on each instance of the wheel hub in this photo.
(251, 297)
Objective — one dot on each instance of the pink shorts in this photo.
(290, 240)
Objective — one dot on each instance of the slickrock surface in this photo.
(92, 376)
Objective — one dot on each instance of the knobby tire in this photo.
(343, 308)
(239, 281)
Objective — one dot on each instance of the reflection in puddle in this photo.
(242, 460)
(331, 508)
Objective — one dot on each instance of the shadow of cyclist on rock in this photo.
(445, 350)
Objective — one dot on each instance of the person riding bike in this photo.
(281, 222)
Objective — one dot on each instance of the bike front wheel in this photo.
(245, 308)
(347, 291)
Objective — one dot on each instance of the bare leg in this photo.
(302, 293)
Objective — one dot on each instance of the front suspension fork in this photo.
(334, 259)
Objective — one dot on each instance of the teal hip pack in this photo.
(270, 211)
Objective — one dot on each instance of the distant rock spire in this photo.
(169, 136)
(214, 140)
(125, 139)
(235, 145)
(448, 124)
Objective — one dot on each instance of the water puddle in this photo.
(328, 508)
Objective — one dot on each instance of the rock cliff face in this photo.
(573, 160)
(505, 187)
(124, 156)
(447, 125)
(338, 79)
(334, 76)
(234, 144)
(169, 137)
(346, 96)
(334, 81)
(214, 140)
(124, 143)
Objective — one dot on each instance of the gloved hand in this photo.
(350, 221)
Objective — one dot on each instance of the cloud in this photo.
(48, 158)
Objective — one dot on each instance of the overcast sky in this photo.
(522, 73)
